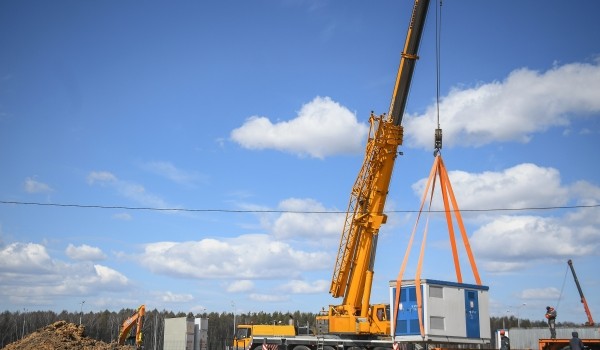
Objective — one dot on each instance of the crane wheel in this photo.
(301, 347)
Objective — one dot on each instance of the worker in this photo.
(504, 341)
(575, 342)
(551, 316)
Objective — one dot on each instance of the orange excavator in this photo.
(137, 320)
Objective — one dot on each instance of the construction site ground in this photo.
(63, 335)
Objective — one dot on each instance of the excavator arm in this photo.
(137, 320)
(353, 271)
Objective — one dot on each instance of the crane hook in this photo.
(438, 142)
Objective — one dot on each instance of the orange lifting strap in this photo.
(437, 170)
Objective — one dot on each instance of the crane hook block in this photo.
(438, 141)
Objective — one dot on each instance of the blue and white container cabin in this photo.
(451, 312)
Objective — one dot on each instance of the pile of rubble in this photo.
(62, 335)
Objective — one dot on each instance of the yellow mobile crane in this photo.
(353, 272)
(355, 324)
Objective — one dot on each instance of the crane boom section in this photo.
(583, 301)
(353, 270)
(365, 214)
(408, 61)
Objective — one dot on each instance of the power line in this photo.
(122, 207)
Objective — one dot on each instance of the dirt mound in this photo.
(62, 335)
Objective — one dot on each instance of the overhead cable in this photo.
(123, 207)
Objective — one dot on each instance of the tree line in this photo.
(105, 325)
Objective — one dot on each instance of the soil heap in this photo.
(62, 335)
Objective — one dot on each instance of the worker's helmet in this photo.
(502, 332)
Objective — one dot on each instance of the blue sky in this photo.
(249, 117)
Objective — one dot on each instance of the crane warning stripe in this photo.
(269, 347)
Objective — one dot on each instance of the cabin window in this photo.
(436, 292)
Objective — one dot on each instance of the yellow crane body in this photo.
(353, 272)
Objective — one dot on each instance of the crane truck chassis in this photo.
(284, 337)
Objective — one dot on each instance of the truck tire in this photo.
(301, 347)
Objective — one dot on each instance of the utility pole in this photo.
(23, 330)
(81, 311)
(233, 305)
(155, 328)
(519, 315)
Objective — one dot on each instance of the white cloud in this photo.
(107, 276)
(24, 258)
(522, 186)
(549, 293)
(129, 190)
(170, 297)
(528, 238)
(274, 259)
(100, 177)
(240, 286)
(509, 242)
(30, 275)
(322, 127)
(171, 172)
(33, 186)
(513, 110)
(503, 265)
(303, 287)
(587, 193)
(526, 102)
(84, 252)
(198, 309)
(268, 298)
(301, 220)
(122, 216)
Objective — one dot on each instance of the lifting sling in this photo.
(438, 172)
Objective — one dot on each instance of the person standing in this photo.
(575, 342)
(505, 342)
(551, 316)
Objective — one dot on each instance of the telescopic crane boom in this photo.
(583, 301)
(353, 271)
